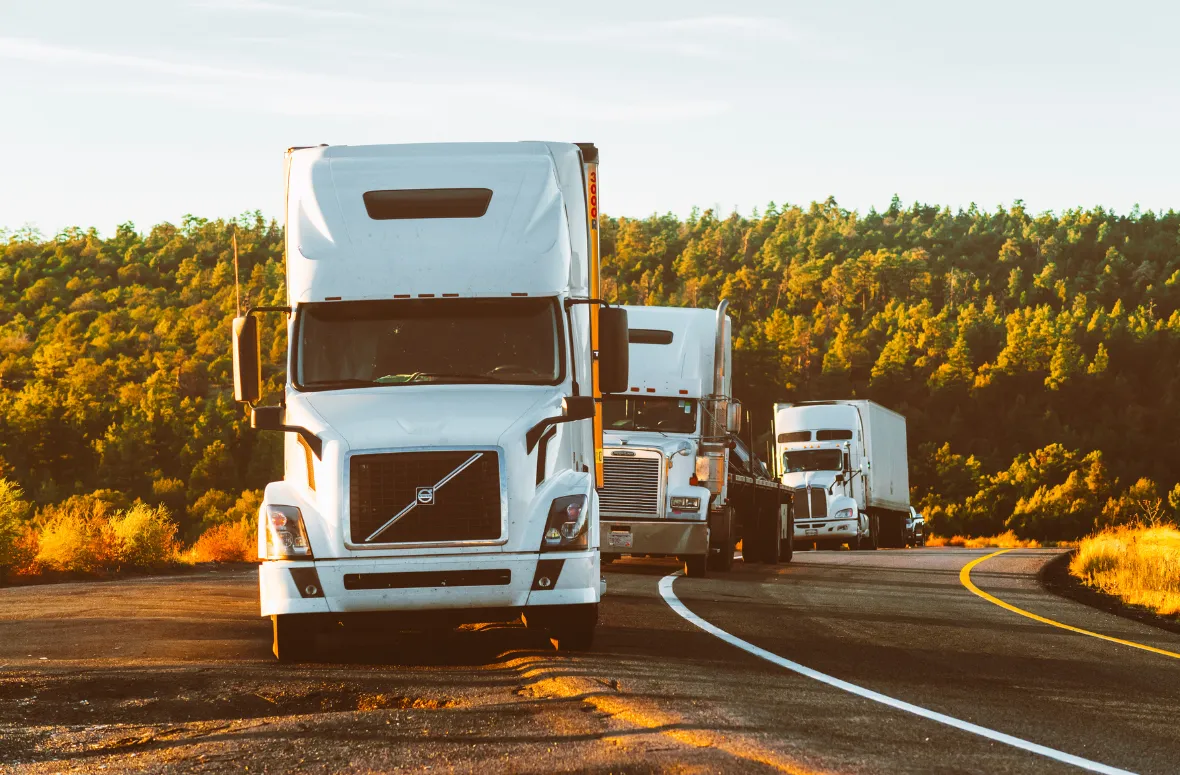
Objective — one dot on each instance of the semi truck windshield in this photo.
(415, 341)
(797, 460)
(670, 415)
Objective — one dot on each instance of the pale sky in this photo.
(124, 110)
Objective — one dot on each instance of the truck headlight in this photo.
(845, 514)
(567, 523)
(286, 538)
(683, 503)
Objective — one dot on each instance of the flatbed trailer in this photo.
(762, 513)
(765, 520)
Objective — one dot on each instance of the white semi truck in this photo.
(446, 356)
(846, 464)
(678, 479)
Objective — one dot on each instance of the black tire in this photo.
(568, 627)
(696, 565)
(294, 638)
(721, 540)
(893, 532)
(573, 630)
(870, 543)
(772, 549)
(786, 549)
(607, 558)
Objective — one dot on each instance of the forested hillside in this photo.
(1037, 358)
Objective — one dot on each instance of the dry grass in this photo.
(1008, 540)
(228, 542)
(1140, 565)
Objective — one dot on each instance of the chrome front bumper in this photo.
(654, 536)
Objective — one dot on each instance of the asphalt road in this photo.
(871, 662)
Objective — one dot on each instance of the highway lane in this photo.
(168, 672)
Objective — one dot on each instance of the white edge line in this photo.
(1051, 753)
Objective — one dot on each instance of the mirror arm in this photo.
(314, 442)
(534, 434)
(252, 310)
(600, 302)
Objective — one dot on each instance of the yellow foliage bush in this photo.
(227, 542)
(13, 530)
(143, 536)
(1006, 540)
(1140, 565)
(91, 537)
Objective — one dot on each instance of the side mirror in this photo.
(613, 360)
(247, 361)
(577, 407)
(267, 418)
(733, 417)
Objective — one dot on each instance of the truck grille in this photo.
(799, 502)
(810, 503)
(441, 496)
(819, 503)
(631, 485)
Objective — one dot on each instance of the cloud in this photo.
(35, 51)
(287, 9)
(705, 37)
(297, 93)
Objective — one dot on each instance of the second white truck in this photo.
(847, 466)
(678, 479)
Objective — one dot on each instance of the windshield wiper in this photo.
(435, 376)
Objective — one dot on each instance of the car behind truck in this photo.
(446, 350)
(678, 480)
(846, 464)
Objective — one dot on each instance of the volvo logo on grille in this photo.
(623, 453)
(425, 496)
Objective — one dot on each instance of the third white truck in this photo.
(847, 466)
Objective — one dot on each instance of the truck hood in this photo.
(665, 444)
(810, 479)
(433, 415)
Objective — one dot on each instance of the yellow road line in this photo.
(965, 578)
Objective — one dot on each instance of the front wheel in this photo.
(696, 565)
(294, 638)
(869, 542)
(570, 628)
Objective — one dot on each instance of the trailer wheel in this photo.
(294, 638)
(608, 558)
(786, 549)
(769, 540)
(893, 532)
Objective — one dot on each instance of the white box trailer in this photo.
(886, 459)
(847, 463)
